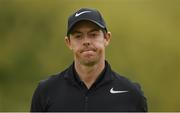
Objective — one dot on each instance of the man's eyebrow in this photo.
(94, 30)
(75, 31)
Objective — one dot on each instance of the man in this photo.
(88, 84)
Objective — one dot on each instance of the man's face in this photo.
(88, 42)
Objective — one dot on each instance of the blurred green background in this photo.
(145, 46)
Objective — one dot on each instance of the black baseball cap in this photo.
(88, 14)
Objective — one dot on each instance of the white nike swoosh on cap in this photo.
(113, 91)
(78, 14)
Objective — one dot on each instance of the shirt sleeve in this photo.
(142, 105)
(37, 103)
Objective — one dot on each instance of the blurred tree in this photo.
(145, 46)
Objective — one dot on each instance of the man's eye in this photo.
(78, 37)
(93, 34)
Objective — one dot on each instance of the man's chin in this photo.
(88, 62)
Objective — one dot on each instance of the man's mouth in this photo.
(87, 50)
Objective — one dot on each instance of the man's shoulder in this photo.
(133, 88)
(53, 80)
(126, 83)
(121, 78)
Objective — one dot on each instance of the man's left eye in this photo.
(93, 34)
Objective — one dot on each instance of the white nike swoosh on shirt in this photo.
(77, 14)
(113, 91)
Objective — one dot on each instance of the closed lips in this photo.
(85, 50)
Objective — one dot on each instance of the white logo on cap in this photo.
(78, 14)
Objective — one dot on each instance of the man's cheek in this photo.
(99, 46)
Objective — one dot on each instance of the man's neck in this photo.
(89, 74)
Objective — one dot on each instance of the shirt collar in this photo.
(105, 76)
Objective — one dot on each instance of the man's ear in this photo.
(107, 37)
(68, 42)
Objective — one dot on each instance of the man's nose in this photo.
(86, 41)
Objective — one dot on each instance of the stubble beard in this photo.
(87, 60)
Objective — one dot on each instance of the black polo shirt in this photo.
(66, 92)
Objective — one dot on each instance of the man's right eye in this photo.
(77, 36)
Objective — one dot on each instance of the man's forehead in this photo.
(85, 24)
